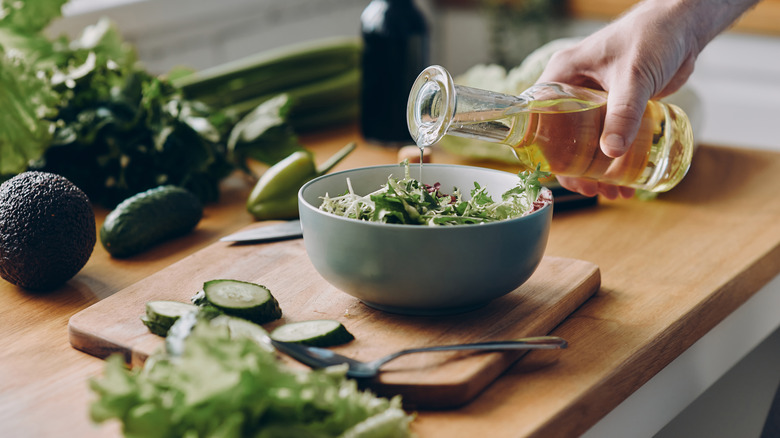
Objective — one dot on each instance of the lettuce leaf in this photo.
(26, 101)
(232, 387)
(26, 96)
(407, 201)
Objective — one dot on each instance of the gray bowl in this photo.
(421, 270)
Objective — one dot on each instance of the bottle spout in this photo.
(437, 107)
(431, 106)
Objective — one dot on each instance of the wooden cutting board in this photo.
(428, 380)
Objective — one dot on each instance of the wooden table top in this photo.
(671, 268)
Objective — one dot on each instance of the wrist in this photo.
(696, 22)
(705, 19)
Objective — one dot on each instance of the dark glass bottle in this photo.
(396, 47)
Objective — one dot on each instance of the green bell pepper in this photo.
(275, 196)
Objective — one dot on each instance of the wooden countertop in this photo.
(672, 268)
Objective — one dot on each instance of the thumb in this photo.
(625, 108)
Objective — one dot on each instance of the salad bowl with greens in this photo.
(448, 241)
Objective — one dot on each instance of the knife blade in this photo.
(285, 230)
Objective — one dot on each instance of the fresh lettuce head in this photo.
(26, 100)
(26, 97)
(233, 387)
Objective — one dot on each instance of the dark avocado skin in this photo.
(149, 218)
(47, 230)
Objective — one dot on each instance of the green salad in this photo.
(408, 201)
(221, 385)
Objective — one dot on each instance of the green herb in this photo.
(235, 388)
(120, 130)
(407, 201)
(85, 109)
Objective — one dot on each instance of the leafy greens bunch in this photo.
(86, 109)
(408, 201)
(233, 387)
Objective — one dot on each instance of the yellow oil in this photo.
(562, 136)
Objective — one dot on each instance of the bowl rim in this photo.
(302, 201)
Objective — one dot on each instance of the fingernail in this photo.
(615, 144)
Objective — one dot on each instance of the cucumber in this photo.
(316, 333)
(161, 315)
(241, 328)
(199, 299)
(243, 299)
(148, 218)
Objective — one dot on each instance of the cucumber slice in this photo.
(241, 328)
(316, 333)
(162, 314)
(199, 299)
(155, 328)
(243, 299)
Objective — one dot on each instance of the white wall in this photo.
(736, 76)
(202, 33)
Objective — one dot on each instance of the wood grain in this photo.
(438, 380)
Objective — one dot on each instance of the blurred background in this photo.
(735, 77)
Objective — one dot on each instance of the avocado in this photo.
(47, 230)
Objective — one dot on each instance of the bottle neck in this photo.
(398, 17)
(437, 107)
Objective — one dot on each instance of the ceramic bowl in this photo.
(417, 269)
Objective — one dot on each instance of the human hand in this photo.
(649, 52)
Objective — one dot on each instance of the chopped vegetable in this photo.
(317, 333)
(242, 299)
(233, 387)
(240, 327)
(162, 314)
(407, 201)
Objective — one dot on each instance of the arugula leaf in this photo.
(233, 387)
(407, 201)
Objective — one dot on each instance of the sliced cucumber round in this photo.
(316, 333)
(199, 299)
(155, 328)
(243, 299)
(162, 314)
(241, 328)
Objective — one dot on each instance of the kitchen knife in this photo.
(285, 230)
